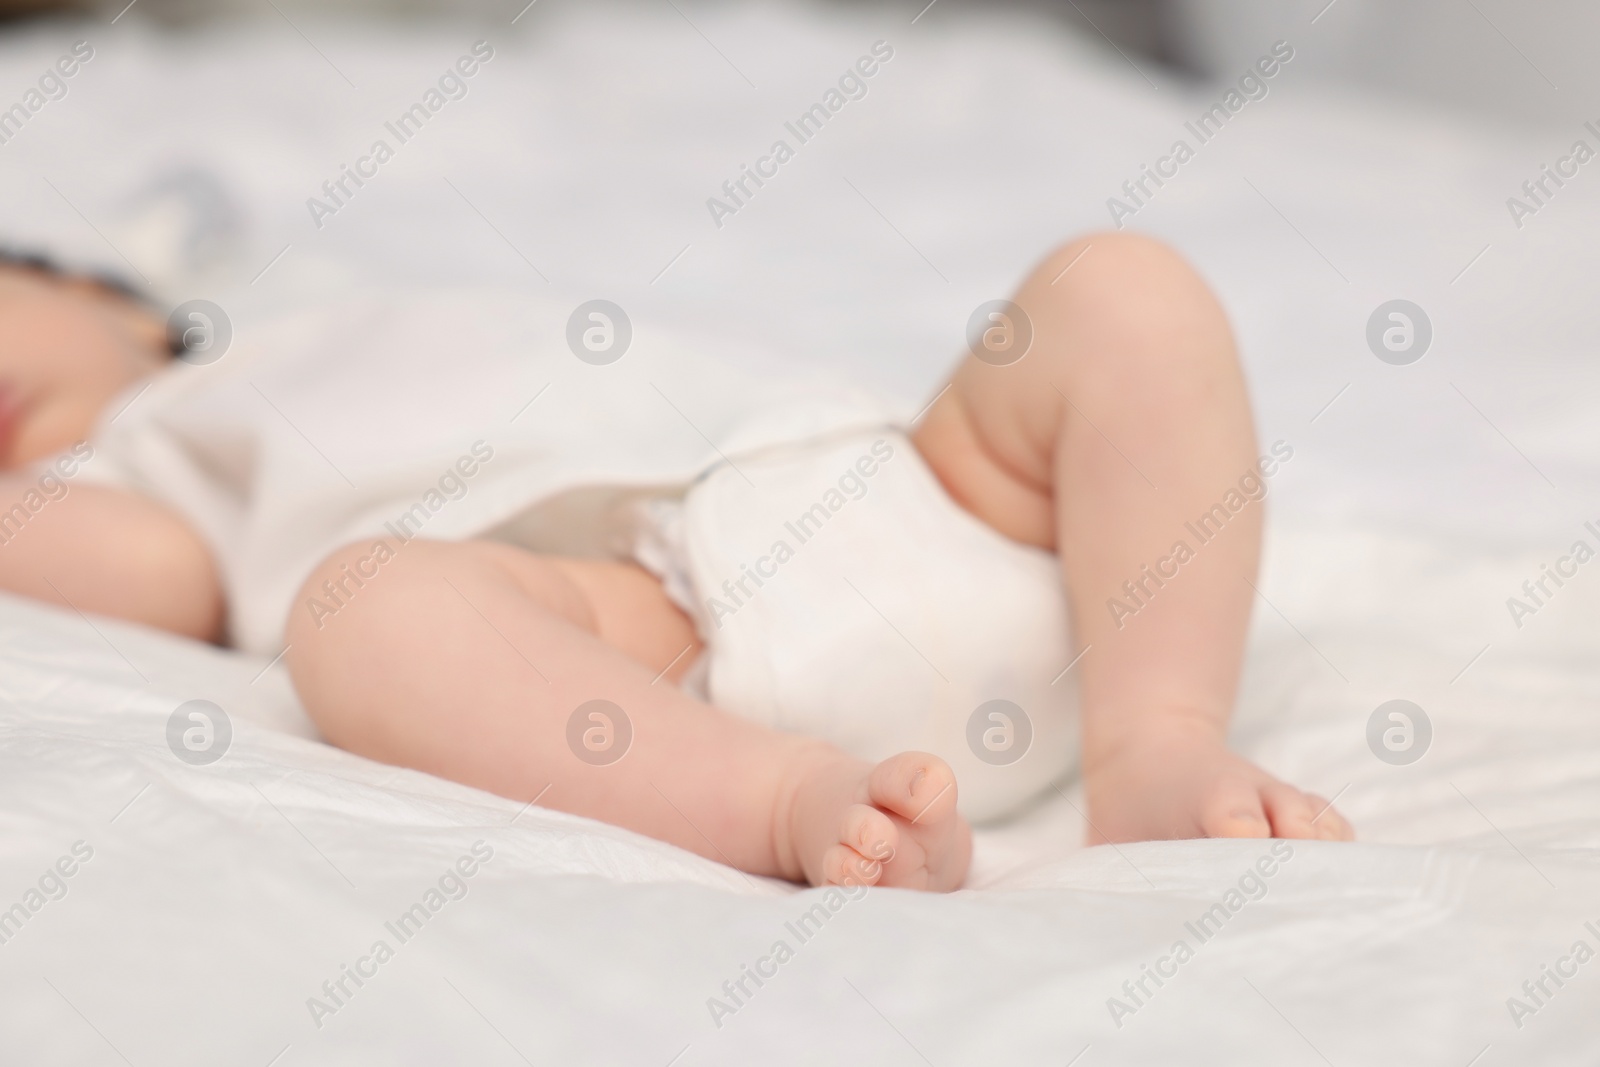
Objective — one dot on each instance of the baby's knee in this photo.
(1132, 277)
(363, 604)
(340, 580)
(359, 587)
(1126, 261)
(1136, 298)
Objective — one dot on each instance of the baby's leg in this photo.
(1126, 419)
(467, 660)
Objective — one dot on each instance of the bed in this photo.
(232, 911)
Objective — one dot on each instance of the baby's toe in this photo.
(843, 865)
(1234, 809)
(1291, 811)
(869, 832)
(1330, 825)
(916, 786)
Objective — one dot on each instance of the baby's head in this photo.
(68, 345)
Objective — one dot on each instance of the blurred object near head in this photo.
(182, 224)
(1503, 60)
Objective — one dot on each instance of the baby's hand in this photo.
(1180, 780)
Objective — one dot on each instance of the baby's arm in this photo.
(110, 552)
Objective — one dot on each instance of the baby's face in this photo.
(67, 347)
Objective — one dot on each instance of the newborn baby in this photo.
(509, 646)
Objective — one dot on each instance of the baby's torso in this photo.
(434, 415)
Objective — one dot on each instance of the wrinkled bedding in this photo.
(221, 904)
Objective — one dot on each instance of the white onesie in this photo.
(439, 415)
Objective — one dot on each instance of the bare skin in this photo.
(467, 659)
(67, 349)
(1127, 417)
(70, 347)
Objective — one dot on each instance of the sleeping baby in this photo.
(583, 562)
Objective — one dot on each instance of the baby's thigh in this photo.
(619, 602)
(394, 591)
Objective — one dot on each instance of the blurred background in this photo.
(1444, 51)
(1379, 163)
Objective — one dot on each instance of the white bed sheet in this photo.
(220, 898)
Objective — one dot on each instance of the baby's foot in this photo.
(895, 824)
(1180, 780)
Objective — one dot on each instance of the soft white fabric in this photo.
(843, 594)
(216, 903)
(220, 898)
(440, 415)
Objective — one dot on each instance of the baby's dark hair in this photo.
(39, 263)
